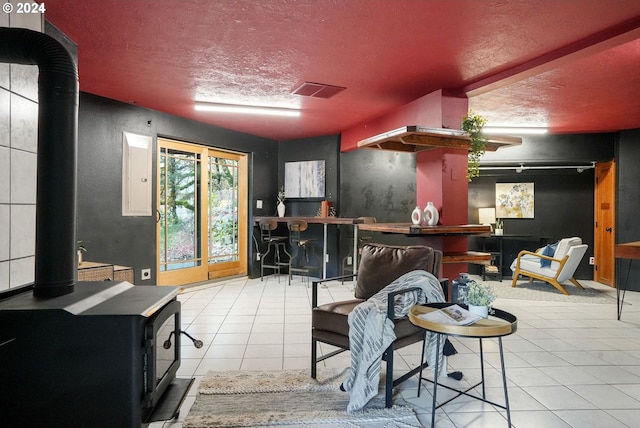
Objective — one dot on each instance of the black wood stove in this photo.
(88, 354)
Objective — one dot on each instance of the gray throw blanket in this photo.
(371, 332)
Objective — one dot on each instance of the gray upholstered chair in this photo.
(379, 266)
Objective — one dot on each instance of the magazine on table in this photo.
(453, 315)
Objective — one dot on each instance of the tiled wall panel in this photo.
(5, 117)
(18, 148)
(5, 175)
(23, 177)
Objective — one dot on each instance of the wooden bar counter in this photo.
(317, 220)
(409, 229)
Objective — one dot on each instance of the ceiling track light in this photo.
(246, 109)
(520, 168)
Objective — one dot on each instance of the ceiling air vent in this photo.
(317, 90)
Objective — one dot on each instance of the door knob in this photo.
(608, 229)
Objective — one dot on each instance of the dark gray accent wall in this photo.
(564, 198)
(359, 183)
(131, 241)
(555, 149)
(325, 148)
(563, 208)
(628, 202)
(380, 184)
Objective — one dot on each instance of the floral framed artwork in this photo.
(514, 200)
(304, 179)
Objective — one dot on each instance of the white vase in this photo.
(498, 231)
(416, 216)
(482, 311)
(281, 209)
(431, 215)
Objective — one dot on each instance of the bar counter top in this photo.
(411, 229)
(315, 219)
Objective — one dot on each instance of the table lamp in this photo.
(487, 216)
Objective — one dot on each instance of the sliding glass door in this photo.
(227, 208)
(202, 211)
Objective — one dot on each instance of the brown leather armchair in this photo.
(379, 266)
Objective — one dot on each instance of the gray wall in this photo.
(563, 208)
(564, 198)
(131, 241)
(628, 201)
(382, 184)
(360, 182)
(325, 148)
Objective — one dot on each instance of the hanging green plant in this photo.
(473, 124)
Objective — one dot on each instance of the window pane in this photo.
(223, 210)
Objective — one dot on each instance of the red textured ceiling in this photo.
(571, 64)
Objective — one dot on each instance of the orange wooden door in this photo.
(605, 216)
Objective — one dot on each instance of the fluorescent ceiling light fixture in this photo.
(244, 109)
(514, 130)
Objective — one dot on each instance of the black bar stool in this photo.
(302, 249)
(278, 244)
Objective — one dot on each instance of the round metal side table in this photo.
(500, 323)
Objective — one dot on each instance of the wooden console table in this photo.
(630, 251)
(409, 229)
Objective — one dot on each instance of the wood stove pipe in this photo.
(55, 252)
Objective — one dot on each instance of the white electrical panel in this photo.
(136, 174)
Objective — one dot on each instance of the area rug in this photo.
(538, 290)
(286, 398)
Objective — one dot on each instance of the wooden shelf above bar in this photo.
(410, 229)
(467, 257)
(418, 138)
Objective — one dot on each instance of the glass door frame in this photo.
(206, 271)
(196, 273)
(238, 267)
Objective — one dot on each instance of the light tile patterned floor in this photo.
(568, 365)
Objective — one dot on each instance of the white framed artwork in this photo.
(304, 179)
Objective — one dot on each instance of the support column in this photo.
(441, 174)
(441, 177)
